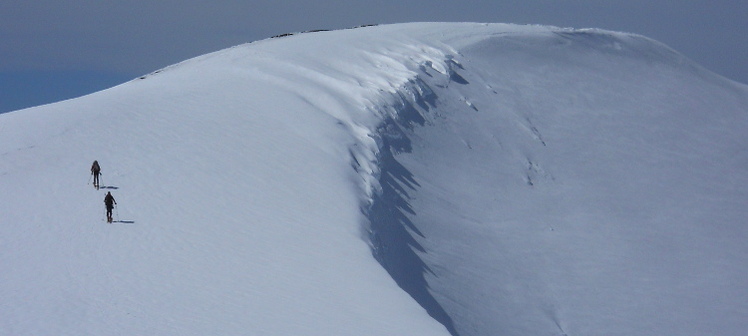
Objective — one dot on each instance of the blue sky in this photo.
(55, 50)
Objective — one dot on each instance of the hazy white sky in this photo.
(69, 48)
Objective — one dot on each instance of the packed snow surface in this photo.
(412, 179)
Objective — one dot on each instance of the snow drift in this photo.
(415, 179)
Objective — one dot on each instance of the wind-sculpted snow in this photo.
(416, 179)
(568, 183)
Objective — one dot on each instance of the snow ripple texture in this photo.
(411, 179)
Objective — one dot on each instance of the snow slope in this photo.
(573, 183)
(508, 180)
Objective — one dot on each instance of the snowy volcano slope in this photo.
(512, 180)
(570, 183)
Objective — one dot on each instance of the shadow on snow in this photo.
(392, 233)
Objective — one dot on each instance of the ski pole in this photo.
(116, 208)
(89, 179)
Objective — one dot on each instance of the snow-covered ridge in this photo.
(511, 179)
(565, 162)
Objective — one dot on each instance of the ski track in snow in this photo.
(511, 180)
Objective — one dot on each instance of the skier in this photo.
(109, 202)
(95, 171)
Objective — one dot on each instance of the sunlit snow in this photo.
(411, 179)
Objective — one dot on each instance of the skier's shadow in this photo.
(109, 187)
(124, 222)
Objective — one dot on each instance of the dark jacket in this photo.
(109, 201)
(95, 169)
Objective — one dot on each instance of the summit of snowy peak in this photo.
(405, 179)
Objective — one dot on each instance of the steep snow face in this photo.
(512, 180)
(569, 183)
